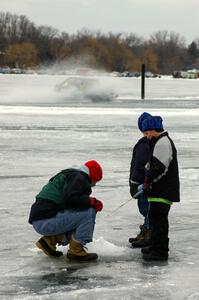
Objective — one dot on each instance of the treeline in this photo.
(25, 45)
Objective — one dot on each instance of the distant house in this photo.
(189, 74)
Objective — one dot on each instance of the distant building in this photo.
(189, 74)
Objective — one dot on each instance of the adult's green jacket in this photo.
(69, 189)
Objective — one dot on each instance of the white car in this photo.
(85, 87)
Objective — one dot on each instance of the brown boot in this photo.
(77, 252)
(140, 235)
(143, 242)
(48, 245)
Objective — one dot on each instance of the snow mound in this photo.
(102, 248)
(105, 248)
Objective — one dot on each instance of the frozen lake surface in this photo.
(42, 133)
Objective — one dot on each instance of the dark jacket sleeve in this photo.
(76, 191)
(155, 169)
(140, 157)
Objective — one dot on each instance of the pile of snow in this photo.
(102, 248)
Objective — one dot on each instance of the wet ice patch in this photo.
(53, 283)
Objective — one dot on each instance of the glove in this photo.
(139, 191)
(96, 204)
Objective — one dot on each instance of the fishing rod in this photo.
(139, 192)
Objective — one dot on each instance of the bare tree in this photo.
(170, 49)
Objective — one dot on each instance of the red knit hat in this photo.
(95, 170)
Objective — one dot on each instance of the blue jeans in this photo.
(81, 223)
(143, 206)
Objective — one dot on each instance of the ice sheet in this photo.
(37, 141)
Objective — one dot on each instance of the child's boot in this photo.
(139, 236)
(144, 241)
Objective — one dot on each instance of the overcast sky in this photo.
(142, 17)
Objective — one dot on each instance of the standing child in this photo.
(161, 186)
(140, 157)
